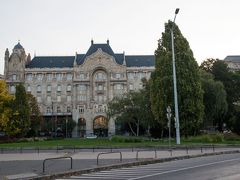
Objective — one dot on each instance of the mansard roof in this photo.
(51, 62)
(232, 58)
(140, 61)
(68, 61)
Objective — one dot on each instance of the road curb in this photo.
(129, 164)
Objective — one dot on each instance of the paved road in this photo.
(221, 167)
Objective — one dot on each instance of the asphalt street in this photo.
(221, 167)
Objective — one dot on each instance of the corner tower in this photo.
(15, 65)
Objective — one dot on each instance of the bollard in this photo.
(187, 149)
(213, 148)
(201, 149)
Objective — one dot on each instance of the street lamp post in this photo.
(175, 82)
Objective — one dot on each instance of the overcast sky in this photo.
(62, 27)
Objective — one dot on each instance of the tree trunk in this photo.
(129, 124)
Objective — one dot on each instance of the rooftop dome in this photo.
(18, 46)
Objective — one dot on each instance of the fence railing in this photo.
(48, 159)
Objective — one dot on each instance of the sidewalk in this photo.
(32, 163)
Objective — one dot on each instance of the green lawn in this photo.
(83, 143)
(105, 142)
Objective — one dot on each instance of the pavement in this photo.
(29, 165)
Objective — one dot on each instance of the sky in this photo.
(63, 27)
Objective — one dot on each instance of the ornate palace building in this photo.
(79, 86)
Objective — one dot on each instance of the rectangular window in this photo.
(131, 86)
(39, 88)
(69, 88)
(69, 98)
(82, 98)
(28, 88)
(118, 75)
(59, 88)
(82, 88)
(39, 77)
(100, 87)
(49, 77)
(12, 89)
(49, 88)
(58, 98)
(69, 76)
(14, 77)
(59, 76)
(29, 77)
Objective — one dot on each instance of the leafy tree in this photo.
(133, 109)
(5, 107)
(21, 109)
(231, 82)
(215, 100)
(190, 94)
(207, 65)
(35, 115)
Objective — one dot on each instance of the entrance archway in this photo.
(81, 127)
(100, 126)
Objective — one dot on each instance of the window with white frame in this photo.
(69, 98)
(39, 77)
(130, 75)
(100, 87)
(69, 87)
(118, 86)
(12, 89)
(58, 98)
(69, 76)
(29, 77)
(49, 88)
(82, 98)
(59, 77)
(118, 75)
(29, 88)
(39, 88)
(49, 77)
(100, 76)
(82, 87)
(14, 77)
(59, 88)
(131, 86)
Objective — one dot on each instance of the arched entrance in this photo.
(100, 126)
(81, 127)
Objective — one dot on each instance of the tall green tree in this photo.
(190, 94)
(21, 110)
(34, 114)
(215, 100)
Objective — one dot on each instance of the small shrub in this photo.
(231, 137)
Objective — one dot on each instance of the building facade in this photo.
(233, 63)
(80, 86)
